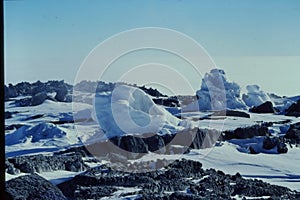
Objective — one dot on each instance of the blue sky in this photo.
(253, 41)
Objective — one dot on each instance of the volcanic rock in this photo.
(31, 187)
(266, 107)
(294, 133)
(246, 132)
(294, 109)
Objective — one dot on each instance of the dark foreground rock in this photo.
(266, 107)
(184, 179)
(231, 113)
(42, 163)
(31, 187)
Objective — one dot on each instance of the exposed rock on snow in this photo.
(281, 147)
(133, 147)
(294, 133)
(231, 113)
(247, 132)
(36, 93)
(278, 142)
(31, 187)
(10, 168)
(182, 179)
(170, 102)
(294, 109)
(269, 143)
(266, 107)
(38, 98)
(42, 163)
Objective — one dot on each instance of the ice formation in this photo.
(129, 110)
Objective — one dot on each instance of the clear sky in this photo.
(255, 42)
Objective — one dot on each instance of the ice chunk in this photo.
(129, 110)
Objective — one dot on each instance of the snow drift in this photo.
(34, 133)
(129, 110)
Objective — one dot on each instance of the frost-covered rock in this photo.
(217, 93)
(34, 133)
(255, 96)
(128, 109)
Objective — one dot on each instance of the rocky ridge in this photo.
(181, 179)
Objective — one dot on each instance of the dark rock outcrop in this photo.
(23, 102)
(231, 113)
(152, 92)
(13, 126)
(6, 93)
(9, 168)
(11, 91)
(247, 132)
(134, 147)
(281, 147)
(269, 143)
(279, 142)
(266, 107)
(37, 91)
(170, 182)
(42, 163)
(35, 100)
(293, 134)
(8, 115)
(38, 98)
(38, 87)
(170, 102)
(252, 150)
(294, 109)
(31, 187)
(61, 93)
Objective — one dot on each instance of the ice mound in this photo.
(255, 96)
(129, 110)
(34, 133)
(217, 93)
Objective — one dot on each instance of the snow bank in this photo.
(129, 110)
(34, 134)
